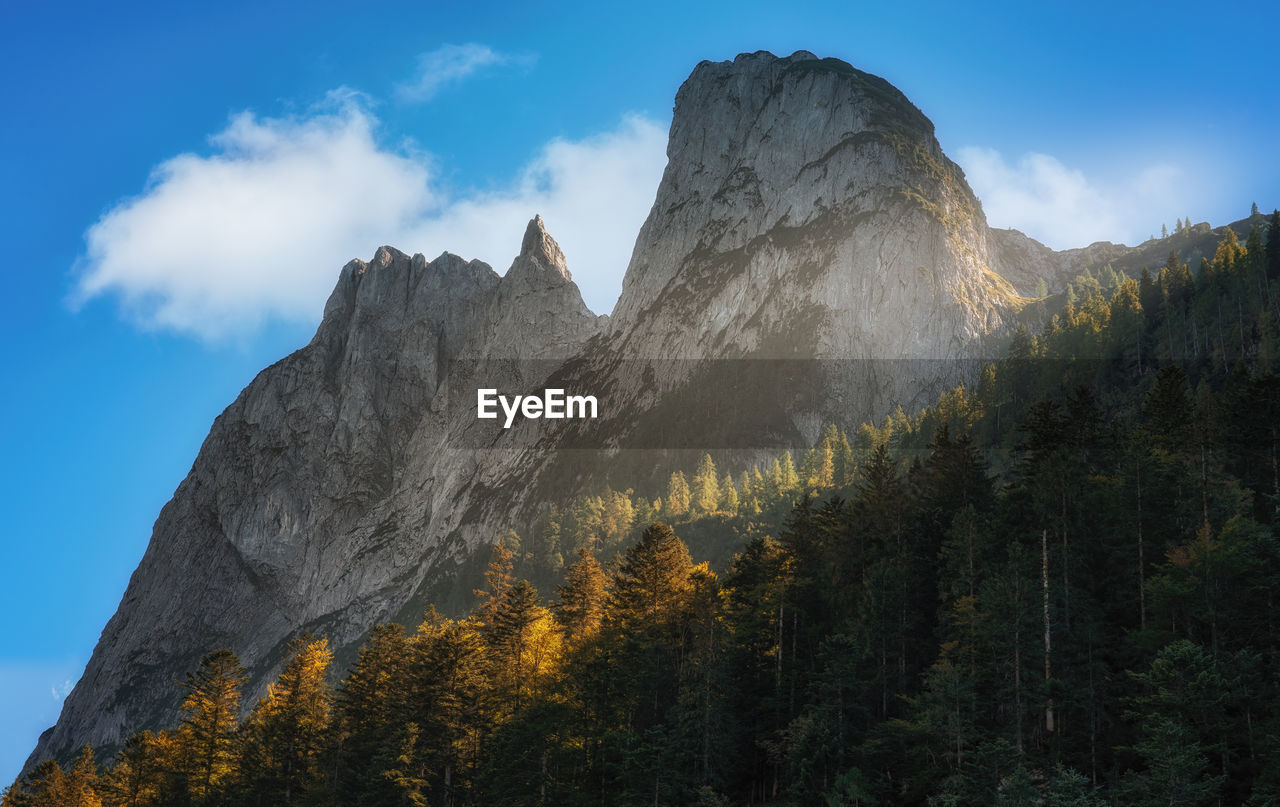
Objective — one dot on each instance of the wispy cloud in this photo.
(448, 64)
(34, 692)
(215, 245)
(1063, 208)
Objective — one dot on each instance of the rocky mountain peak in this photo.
(540, 252)
(803, 189)
(806, 212)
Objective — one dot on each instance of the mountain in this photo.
(1025, 260)
(811, 256)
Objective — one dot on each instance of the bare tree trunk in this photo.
(1048, 670)
(542, 785)
(1093, 721)
(1066, 554)
(1017, 657)
(1275, 470)
(1142, 561)
(1240, 317)
(1204, 483)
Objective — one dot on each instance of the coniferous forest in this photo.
(1056, 587)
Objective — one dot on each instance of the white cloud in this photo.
(1062, 208)
(593, 194)
(214, 244)
(217, 244)
(445, 65)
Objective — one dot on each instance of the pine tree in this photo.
(728, 495)
(786, 478)
(1175, 769)
(82, 781)
(284, 734)
(450, 704)
(652, 580)
(523, 645)
(1273, 246)
(748, 504)
(498, 578)
(581, 598)
(705, 491)
(134, 778)
(210, 717)
(371, 706)
(1228, 254)
(678, 496)
(846, 464)
(49, 785)
(1168, 410)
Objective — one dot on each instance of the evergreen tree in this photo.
(748, 504)
(786, 479)
(1150, 296)
(650, 584)
(48, 785)
(1273, 246)
(728, 495)
(449, 704)
(580, 607)
(371, 706)
(134, 777)
(284, 735)
(498, 578)
(1175, 769)
(210, 717)
(523, 645)
(705, 491)
(678, 497)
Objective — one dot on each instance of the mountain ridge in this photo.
(807, 214)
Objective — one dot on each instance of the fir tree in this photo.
(728, 495)
(1273, 246)
(678, 497)
(705, 491)
(285, 733)
(580, 607)
(210, 717)
(498, 578)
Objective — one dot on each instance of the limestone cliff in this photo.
(808, 219)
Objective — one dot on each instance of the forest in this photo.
(1053, 587)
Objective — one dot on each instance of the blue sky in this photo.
(183, 182)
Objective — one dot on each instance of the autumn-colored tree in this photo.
(679, 497)
(705, 490)
(210, 717)
(581, 598)
(284, 736)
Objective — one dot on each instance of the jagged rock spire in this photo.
(540, 252)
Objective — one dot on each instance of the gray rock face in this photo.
(321, 496)
(807, 214)
(807, 211)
